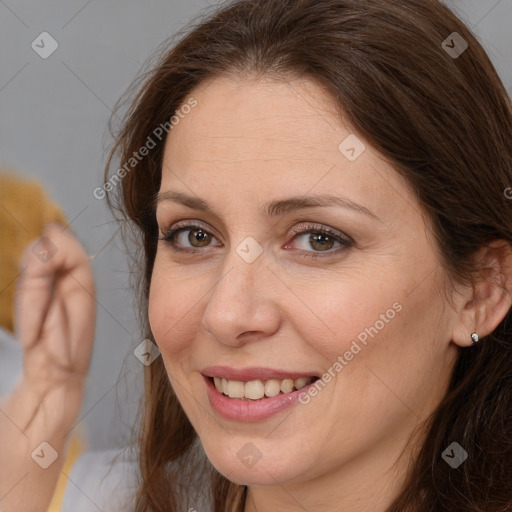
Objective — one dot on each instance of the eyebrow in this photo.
(272, 208)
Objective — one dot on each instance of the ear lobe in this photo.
(491, 297)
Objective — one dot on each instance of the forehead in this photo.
(267, 135)
(235, 120)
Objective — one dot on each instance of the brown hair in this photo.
(443, 122)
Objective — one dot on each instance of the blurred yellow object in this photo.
(76, 447)
(24, 210)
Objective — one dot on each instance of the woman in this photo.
(327, 264)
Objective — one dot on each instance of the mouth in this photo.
(259, 389)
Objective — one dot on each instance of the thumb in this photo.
(33, 291)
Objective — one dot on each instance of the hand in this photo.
(55, 311)
(55, 323)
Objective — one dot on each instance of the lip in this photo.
(253, 373)
(246, 411)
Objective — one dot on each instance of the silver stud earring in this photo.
(474, 338)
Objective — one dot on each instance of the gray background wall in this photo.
(53, 126)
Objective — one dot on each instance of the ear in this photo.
(483, 306)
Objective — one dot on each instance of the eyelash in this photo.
(346, 243)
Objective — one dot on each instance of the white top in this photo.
(94, 487)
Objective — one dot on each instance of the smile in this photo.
(255, 404)
(258, 389)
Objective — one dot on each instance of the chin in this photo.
(248, 466)
(257, 475)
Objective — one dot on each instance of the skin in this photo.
(55, 322)
(283, 310)
(248, 142)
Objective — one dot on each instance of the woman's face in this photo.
(255, 291)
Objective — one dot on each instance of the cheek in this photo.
(381, 328)
(334, 315)
(173, 308)
(387, 345)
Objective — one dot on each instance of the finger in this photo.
(77, 292)
(33, 296)
(55, 254)
(48, 359)
(55, 335)
(80, 313)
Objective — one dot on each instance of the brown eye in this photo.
(198, 237)
(321, 242)
(316, 241)
(188, 238)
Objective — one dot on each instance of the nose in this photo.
(242, 306)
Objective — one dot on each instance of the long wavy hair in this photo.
(445, 124)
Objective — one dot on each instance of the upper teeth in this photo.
(256, 389)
